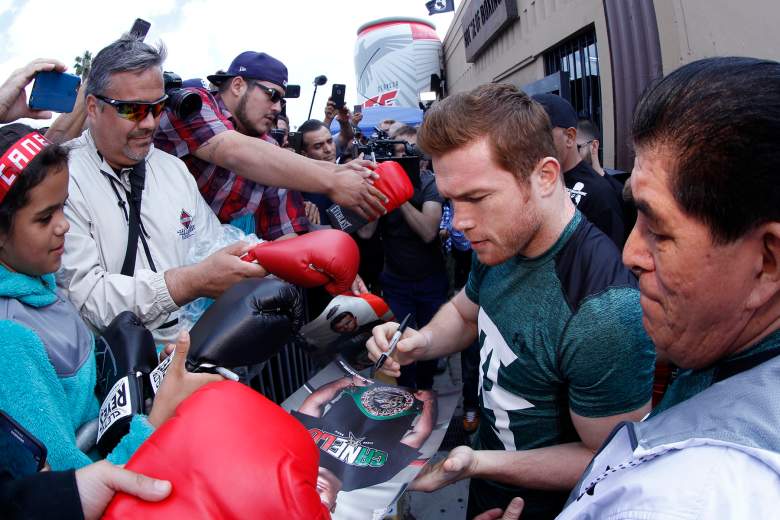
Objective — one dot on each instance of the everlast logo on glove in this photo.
(344, 219)
(393, 182)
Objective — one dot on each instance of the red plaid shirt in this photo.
(277, 211)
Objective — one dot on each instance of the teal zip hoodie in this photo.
(47, 370)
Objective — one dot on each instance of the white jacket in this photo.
(173, 213)
(716, 455)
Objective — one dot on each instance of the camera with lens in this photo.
(183, 103)
(380, 146)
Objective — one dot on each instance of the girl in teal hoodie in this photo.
(47, 357)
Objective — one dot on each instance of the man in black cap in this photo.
(239, 170)
(589, 191)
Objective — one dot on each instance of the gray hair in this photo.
(127, 54)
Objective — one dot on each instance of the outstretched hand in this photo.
(353, 187)
(13, 98)
(98, 482)
(460, 463)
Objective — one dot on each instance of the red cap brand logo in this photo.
(16, 159)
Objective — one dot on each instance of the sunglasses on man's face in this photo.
(580, 146)
(273, 94)
(135, 110)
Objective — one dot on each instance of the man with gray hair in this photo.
(135, 212)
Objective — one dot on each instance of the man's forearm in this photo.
(182, 284)
(368, 230)
(313, 404)
(448, 332)
(346, 134)
(550, 468)
(424, 225)
(269, 165)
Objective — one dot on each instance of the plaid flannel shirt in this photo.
(277, 211)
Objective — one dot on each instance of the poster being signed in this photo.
(344, 326)
(373, 437)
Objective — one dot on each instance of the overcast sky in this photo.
(311, 37)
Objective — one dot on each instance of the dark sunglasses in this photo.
(580, 146)
(273, 94)
(135, 110)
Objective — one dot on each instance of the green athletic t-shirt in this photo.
(559, 331)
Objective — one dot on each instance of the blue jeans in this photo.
(421, 299)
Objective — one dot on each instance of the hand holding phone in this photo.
(55, 91)
(13, 98)
(337, 95)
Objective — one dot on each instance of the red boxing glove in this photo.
(327, 257)
(394, 183)
(229, 453)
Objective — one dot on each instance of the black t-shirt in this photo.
(406, 255)
(597, 200)
(614, 177)
(359, 434)
(48, 494)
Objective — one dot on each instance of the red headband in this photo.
(16, 159)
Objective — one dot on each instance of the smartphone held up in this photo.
(55, 91)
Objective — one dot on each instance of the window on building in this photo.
(578, 57)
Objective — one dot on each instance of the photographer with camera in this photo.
(414, 279)
(225, 147)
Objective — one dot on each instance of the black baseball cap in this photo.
(560, 111)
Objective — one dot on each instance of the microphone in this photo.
(318, 81)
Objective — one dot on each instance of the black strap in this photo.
(734, 367)
(137, 180)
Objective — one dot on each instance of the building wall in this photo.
(694, 29)
(516, 55)
(687, 30)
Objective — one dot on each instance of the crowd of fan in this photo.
(558, 336)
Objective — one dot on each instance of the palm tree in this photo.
(83, 64)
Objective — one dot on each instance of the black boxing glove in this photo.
(247, 325)
(125, 356)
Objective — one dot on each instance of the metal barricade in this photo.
(284, 373)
